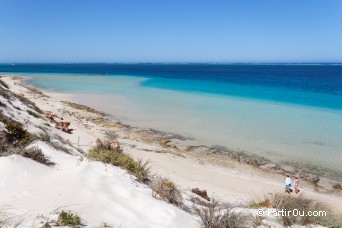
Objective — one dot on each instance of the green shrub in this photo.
(137, 168)
(33, 114)
(68, 219)
(16, 133)
(168, 192)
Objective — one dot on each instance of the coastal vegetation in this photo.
(103, 152)
(56, 142)
(16, 139)
(201, 193)
(83, 108)
(167, 191)
(302, 204)
(14, 135)
(67, 218)
(8, 219)
(36, 154)
(218, 215)
(34, 114)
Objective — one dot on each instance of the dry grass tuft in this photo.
(68, 219)
(167, 191)
(302, 206)
(34, 114)
(217, 215)
(45, 137)
(37, 155)
(8, 219)
(201, 193)
(4, 84)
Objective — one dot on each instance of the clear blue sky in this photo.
(170, 31)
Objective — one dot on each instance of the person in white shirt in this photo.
(288, 184)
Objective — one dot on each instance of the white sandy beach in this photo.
(105, 194)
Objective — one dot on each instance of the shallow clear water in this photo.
(284, 118)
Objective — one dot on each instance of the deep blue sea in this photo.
(287, 113)
(311, 85)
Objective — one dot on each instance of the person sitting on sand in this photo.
(64, 126)
(295, 185)
(115, 145)
(288, 184)
(50, 115)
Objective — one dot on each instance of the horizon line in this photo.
(180, 63)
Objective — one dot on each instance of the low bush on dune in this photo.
(45, 137)
(33, 114)
(217, 215)
(4, 84)
(16, 134)
(304, 205)
(301, 204)
(167, 191)
(68, 219)
(36, 154)
(201, 193)
(14, 139)
(137, 168)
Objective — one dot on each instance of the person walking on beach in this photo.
(288, 184)
(295, 185)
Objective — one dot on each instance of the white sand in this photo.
(98, 193)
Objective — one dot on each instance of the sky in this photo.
(109, 31)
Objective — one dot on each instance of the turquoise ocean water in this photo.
(290, 114)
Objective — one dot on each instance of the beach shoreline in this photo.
(285, 134)
(228, 176)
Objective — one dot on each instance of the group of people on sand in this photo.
(288, 184)
(62, 125)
